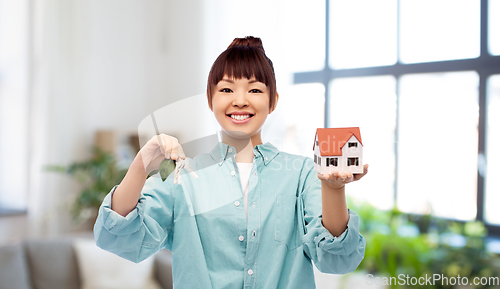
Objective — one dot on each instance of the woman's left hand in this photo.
(337, 180)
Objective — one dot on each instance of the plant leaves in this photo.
(98, 174)
(166, 168)
(54, 168)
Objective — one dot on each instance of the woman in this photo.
(290, 215)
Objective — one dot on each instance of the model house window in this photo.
(316, 142)
(352, 161)
(319, 161)
(352, 145)
(332, 162)
(315, 159)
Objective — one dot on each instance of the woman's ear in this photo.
(275, 103)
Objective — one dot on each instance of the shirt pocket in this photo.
(286, 230)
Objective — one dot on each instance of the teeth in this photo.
(240, 117)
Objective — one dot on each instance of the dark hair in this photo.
(244, 57)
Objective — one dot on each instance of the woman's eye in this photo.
(255, 91)
(225, 90)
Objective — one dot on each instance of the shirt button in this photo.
(233, 173)
(250, 272)
(230, 150)
(266, 159)
(241, 238)
(236, 203)
(253, 204)
(253, 234)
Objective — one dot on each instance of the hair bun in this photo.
(249, 41)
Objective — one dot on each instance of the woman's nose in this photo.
(240, 100)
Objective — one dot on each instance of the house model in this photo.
(338, 149)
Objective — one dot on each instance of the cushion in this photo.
(14, 272)
(53, 264)
(100, 269)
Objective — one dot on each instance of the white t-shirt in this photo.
(245, 169)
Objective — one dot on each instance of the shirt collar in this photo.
(222, 151)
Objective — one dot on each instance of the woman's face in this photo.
(241, 106)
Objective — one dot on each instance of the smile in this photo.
(239, 118)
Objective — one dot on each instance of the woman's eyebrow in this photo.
(231, 81)
(256, 81)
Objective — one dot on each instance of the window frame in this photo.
(485, 65)
(352, 161)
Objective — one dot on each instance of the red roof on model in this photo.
(335, 138)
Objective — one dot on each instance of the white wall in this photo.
(108, 64)
(350, 153)
(14, 77)
(100, 65)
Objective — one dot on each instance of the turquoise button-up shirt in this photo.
(203, 222)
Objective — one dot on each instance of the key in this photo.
(182, 164)
(188, 168)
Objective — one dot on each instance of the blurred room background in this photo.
(420, 78)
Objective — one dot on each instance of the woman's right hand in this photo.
(158, 148)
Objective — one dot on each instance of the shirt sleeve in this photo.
(147, 229)
(335, 255)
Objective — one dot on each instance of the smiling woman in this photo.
(249, 61)
(241, 92)
(246, 208)
(241, 106)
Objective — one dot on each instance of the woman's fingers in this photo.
(158, 148)
(160, 143)
(182, 155)
(359, 176)
(175, 148)
(342, 177)
(169, 147)
(167, 142)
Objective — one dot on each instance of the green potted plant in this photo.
(98, 175)
(390, 253)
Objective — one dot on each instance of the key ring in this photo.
(179, 165)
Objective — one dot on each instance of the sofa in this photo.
(53, 264)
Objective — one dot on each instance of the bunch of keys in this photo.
(179, 165)
(167, 166)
